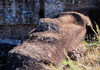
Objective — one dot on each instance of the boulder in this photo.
(46, 44)
(14, 12)
(94, 15)
(13, 34)
(17, 18)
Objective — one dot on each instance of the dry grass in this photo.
(90, 61)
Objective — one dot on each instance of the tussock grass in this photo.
(90, 61)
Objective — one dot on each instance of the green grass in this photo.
(90, 61)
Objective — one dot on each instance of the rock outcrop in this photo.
(47, 42)
(18, 13)
(94, 15)
(13, 34)
(17, 17)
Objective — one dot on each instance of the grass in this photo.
(90, 61)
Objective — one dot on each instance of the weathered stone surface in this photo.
(52, 7)
(47, 45)
(94, 15)
(14, 12)
(28, 11)
(23, 12)
(4, 49)
(17, 18)
(19, 12)
(13, 34)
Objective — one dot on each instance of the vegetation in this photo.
(90, 59)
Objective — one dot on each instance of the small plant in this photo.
(90, 61)
(96, 32)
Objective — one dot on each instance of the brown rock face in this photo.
(47, 42)
(94, 15)
(20, 12)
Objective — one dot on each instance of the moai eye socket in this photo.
(48, 39)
